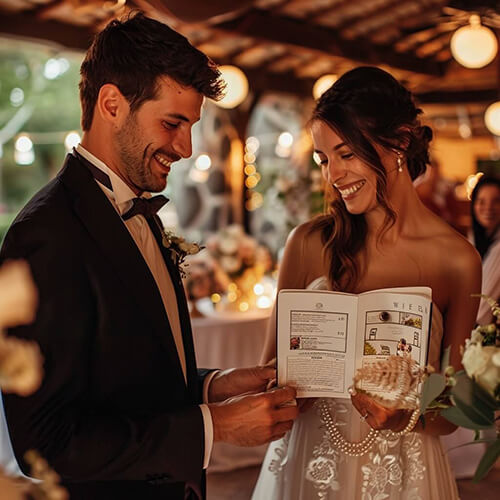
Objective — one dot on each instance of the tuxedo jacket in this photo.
(114, 416)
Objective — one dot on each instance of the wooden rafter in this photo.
(28, 25)
(260, 25)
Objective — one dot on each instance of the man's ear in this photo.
(111, 104)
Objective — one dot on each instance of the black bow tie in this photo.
(145, 206)
(141, 206)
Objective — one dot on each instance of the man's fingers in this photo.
(271, 384)
(266, 372)
(282, 395)
(280, 429)
(271, 363)
(286, 413)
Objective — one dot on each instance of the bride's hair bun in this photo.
(368, 104)
(417, 152)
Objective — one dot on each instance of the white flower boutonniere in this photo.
(179, 249)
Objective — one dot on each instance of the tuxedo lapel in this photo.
(187, 337)
(107, 229)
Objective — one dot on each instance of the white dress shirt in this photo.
(121, 198)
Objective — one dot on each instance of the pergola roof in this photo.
(284, 45)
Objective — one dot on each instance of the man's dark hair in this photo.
(132, 54)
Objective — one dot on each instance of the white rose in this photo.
(228, 246)
(230, 264)
(476, 336)
(475, 360)
(483, 364)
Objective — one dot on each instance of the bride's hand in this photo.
(379, 417)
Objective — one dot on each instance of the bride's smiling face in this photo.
(353, 179)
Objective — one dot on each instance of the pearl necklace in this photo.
(360, 448)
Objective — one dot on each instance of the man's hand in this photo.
(254, 419)
(237, 381)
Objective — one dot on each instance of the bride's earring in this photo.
(399, 161)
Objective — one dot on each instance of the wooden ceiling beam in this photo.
(458, 96)
(29, 26)
(261, 25)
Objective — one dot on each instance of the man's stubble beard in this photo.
(132, 153)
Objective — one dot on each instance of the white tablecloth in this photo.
(231, 340)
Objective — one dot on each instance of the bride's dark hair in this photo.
(366, 106)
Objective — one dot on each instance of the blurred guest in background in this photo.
(485, 209)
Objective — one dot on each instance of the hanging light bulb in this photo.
(322, 84)
(236, 89)
(492, 118)
(474, 46)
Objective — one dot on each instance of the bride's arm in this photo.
(464, 279)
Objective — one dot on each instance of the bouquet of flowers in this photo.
(469, 398)
(21, 373)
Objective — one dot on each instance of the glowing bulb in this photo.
(71, 140)
(16, 96)
(264, 302)
(236, 89)
(203, 162)
(243, 306)
(285, 140)
(52, 69)
(252, 144)
(322, 84)
(492, 118)
(23, 144)
(258, 289)
(474, 46)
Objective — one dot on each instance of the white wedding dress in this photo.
(304, 465)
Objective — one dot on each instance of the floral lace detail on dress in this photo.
(396, 462)
(323, 469)
(393, 465)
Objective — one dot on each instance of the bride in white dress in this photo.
(376, 234)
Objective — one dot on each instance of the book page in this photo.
(393, 321)
(316, 341)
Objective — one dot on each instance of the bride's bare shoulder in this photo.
(303, 256)
(456, 251)
(307, 236)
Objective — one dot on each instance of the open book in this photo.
(323, 337)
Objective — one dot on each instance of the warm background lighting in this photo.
(322, 84)
(492, 118)
(236, 89)
(474, 46)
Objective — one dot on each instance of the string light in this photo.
(236, 89)
(322, 84)
(492, 118)
(474, 46)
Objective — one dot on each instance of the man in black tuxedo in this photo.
(123, 412)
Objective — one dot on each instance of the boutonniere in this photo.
(179, 249)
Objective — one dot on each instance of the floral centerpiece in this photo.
(244, 262)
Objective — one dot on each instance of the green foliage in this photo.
(473, 401)
(489, 458)
(434, 385)
(49, 110)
